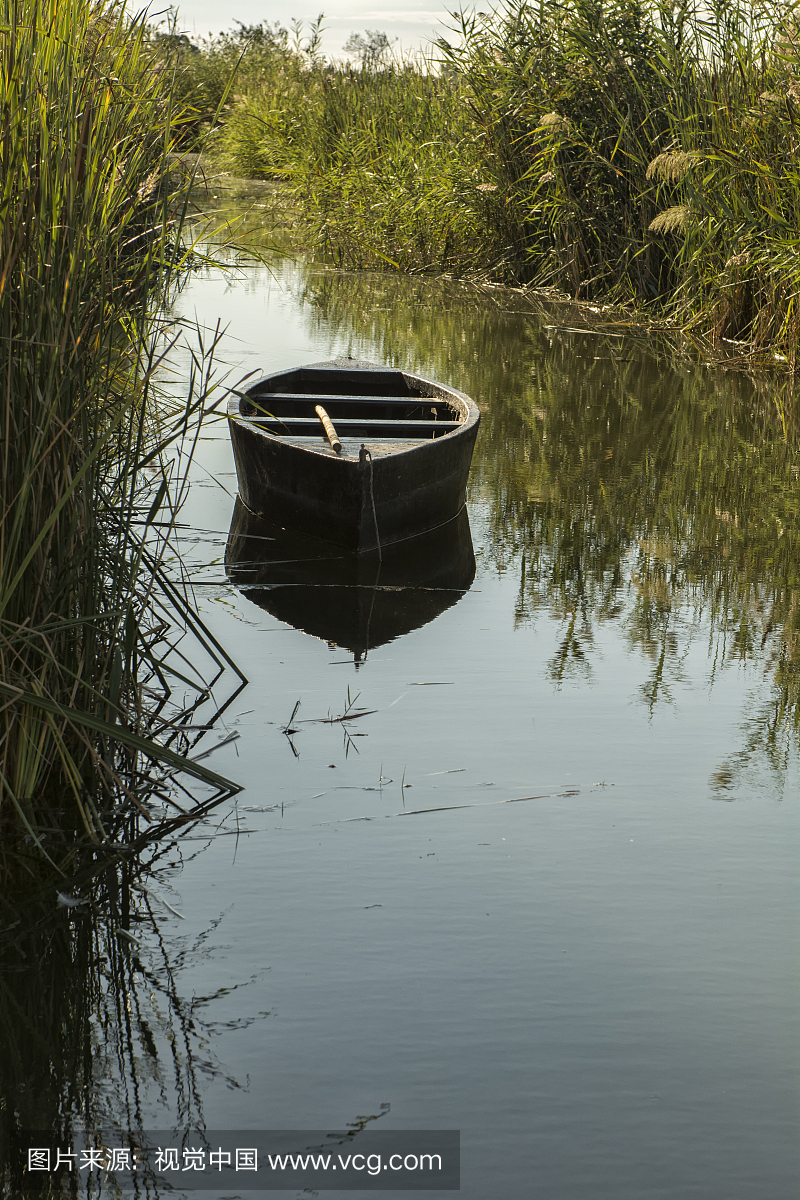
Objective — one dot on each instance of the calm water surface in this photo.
(598, 985)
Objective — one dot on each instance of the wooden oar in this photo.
(330, 432)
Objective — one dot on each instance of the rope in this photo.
(363, 455)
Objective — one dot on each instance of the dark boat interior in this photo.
(375, 404)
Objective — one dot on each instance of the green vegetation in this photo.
(90, 215)
(634, 151)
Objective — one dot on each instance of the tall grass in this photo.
(88, 224)
(627, 150)
(647, 149)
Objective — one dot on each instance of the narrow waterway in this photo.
(545, 890)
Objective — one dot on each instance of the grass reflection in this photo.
(621, 484)
(97, 1035)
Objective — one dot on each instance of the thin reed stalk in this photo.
(89, 224)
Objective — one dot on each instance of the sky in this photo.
(412, 27)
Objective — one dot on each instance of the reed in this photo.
(648, 151)
(373, 158)
(624, 150)
(89, 224)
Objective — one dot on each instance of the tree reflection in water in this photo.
(624, 479)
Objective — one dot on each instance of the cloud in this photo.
(410, 16)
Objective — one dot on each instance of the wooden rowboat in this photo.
(352, 453)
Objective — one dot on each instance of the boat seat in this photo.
(295, 404)
(351, 447)
(367, 427)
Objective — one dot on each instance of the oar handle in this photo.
(330, 432)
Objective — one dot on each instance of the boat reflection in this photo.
(354, 601)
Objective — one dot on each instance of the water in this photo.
(545, 891)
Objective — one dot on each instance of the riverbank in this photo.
(630, 154)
